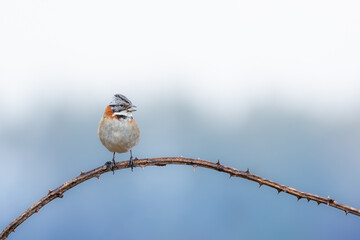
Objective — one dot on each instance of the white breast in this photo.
(118, 135)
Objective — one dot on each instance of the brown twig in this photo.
(58, 192)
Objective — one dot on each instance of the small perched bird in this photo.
(118, 131)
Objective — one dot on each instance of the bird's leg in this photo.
(113, 164)
(131, 161)
(113, 159)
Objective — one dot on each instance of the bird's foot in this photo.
(110, 165)
(132, 163)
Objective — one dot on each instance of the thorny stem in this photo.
(84, 176)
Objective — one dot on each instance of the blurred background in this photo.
(273, 86)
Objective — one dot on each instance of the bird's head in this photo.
(121, 105)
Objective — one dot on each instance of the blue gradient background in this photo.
(273, 87)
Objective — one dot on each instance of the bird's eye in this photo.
(122, 105)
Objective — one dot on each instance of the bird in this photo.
(118, 130)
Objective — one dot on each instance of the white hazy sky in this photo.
(304, 54)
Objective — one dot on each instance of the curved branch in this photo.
(84, 176)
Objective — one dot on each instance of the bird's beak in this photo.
(131, 108)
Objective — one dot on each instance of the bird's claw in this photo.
(132, 163)
(110, 165)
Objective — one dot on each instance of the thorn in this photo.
(194, 167)
(50, 191)
(60, 195)
(143, 167)
(247, 171)
(37, 210)
(181, 156)
(279, 191)
(260, 184)
(98, 176)
(218, 162)
(81, 173)
(308, 199)
(230, 175)
(318, 203)
(346, 212)
(299, 198)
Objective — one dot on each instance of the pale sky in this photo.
(303, 54)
